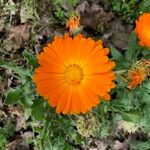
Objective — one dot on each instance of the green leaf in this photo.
(38, 109)
(79, 139)
(116, 54)
(124, 100)
(145, 97)
(140, 145)
(132, 116)
(13, 96)
(144, 6)
(132, 47)
(28, 96)
(32, 60)
(146, 53)
(15, 68)
(27, 113)
(68, 147)
(147, 85)
(146, 118)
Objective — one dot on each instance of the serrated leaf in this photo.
(146, 98)
(124, 100)
(32, 60)
(79, 139)
(27, 100)
(132, 116)
(68, 147)
(146, 53)
(146, 119)
(13, 96)
(140, 145)
(132, 47)
(147, 85)
(27, 113)
(144, 6)
(15, 68)
(116, 54)
(38, 109)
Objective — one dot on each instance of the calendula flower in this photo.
(73, 73)
(129, 127)
(73, 23)
(143, 29)
(138, 73)
(86, 125)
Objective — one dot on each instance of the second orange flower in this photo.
(143, 29)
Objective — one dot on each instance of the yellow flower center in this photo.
(73, 74)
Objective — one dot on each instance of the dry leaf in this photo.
(88, 10)
(21, 122)
(120, 40)
(18, 36)
(27, 135)
(120, 146)
(66, 5)
(18, 144)
(2, 24)
(24, 16)
(101, 145)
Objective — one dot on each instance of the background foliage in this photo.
(56, 131)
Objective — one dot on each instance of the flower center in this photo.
(73, 74)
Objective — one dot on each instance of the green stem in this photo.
(120, 71)
(42, 146)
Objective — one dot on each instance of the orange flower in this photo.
(73, 23)
(138, 74)
(137, 77)
(143, 29)
(73, 73)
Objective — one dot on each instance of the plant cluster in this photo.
(5, 132)
(54, 130)
(60, 13)
(127, 10)
(126, 113)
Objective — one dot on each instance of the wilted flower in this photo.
(73, 23)
(143, 29)
(86, 125)
(138, 73)
(74, 73)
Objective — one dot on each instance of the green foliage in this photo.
(116, 54)
(29, 11)
(139, 145)
(127, 9)
(60, 14)
(58, 132)
(38, 114)
(5, 133)
(54, 131)
(31, 59)
(131, 106)
(13, 96)
(104, 122)
(144, 6)
(9, 7)
(132, 116)
(22, 72)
